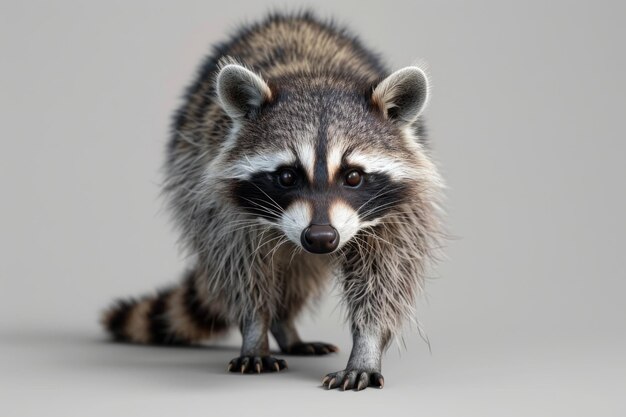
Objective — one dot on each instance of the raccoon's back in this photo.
(283, 48)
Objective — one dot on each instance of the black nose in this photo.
(320, 238)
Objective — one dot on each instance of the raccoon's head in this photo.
(317, 159)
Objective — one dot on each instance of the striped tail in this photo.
(176, 316)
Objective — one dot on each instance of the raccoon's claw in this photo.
(353, 379)
(310, 348)
(256, 364)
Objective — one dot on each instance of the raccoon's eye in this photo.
(353, 178)
(287, 177)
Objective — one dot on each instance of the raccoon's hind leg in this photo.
(288, 339)
(176, 316)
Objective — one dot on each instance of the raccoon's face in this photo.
(321, 164)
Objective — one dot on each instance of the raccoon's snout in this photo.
(320, 238)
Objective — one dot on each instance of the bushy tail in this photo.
(172, 317)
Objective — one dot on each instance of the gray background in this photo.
(526, 317)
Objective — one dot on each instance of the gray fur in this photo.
(254, 335)
(285, 333)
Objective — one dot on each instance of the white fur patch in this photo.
(249, 165)
(306, 155)
(371, 163)
(295, 219)
(345, 219)
(333, 161)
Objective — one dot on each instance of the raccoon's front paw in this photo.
(353, 378)
(310, 348)
(258, 364)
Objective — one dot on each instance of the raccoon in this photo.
(297, 158)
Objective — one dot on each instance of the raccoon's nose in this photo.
(320, 238)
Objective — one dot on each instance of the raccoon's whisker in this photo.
(238, 228)
(392, 218)
(241, 226)
(276, 205)
(244, 222)
(236, 223)
(359, 240)
(229, 233)
(275, 238)
(377, 209)
(356, 212)
(263, 243)
(380, 193)
(365, 242)
(262, 208)
(260, 244)
(296, 250)
(273, 252)
(281, 240)
(396, 222)
(240, 221)
(252, 255)
(376, 237)
(386, 203)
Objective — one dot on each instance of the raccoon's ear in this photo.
(402, 95)
(241, 91)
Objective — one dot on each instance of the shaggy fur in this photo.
(293, 97)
